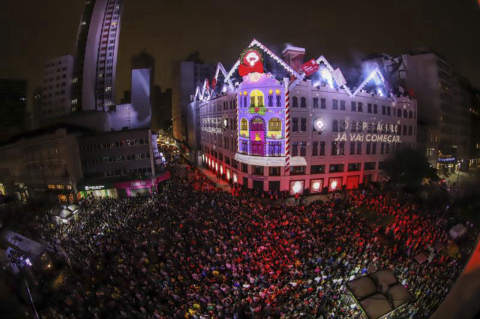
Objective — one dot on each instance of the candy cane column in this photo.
(287, 126)
(237, 121)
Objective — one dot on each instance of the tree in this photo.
(409, 167)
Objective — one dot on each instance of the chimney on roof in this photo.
(294, 57)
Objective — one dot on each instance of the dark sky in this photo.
(32, 31)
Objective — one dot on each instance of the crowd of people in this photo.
(193, 251)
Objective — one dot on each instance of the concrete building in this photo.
(56, 90)
(187, 75)
(443, 104)
(93, 84)
(324, 137)
(120, 164)
(13, 107)
(42, 163)
(162, 109)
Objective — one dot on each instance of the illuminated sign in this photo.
(94, 188)
(252, 61)
(137, 184)
(296, 187)
(335, 184)
(320, 124)
(447, 159)
(360, 137)
(316, 185)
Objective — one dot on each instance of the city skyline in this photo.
(169, 33)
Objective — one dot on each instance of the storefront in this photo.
(447, 164)
(106, 190)
(141, 187)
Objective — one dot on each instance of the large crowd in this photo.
(193, 251)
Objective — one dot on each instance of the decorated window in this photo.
(316, 185)
(296, 187)
(258, 124)
(244, 125)
(334, 184)
(275, 148)
(256, 98)
(275, 124)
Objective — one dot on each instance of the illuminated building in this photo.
(270, 126)
(93, 84)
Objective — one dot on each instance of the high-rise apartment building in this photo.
(187, 75)
(13, 107)
(443, 105)
(56, 89)
(96, 56)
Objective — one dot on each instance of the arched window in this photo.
(256, 98)
(303, 102)
(335, 126)
(244, 125)
(295, 101)
(405, 113)
(257, 124)
(399, 113)
(354, 126)
(275, 125)
(343, 126)
(410, 114)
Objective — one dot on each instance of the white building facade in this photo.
(300, 132)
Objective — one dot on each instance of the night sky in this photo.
(343, 31)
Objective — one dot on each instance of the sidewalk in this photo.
(223, 185)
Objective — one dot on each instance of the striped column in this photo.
(238, 121)
(287, 126)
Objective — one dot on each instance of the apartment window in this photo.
(336, 168)
(353, 167)
(369, 147)
(354, 106)
(404, 130)
(360, 107)
(274, 171)
(342, 105)
(297, 170)
(323, 104)
(295, 124)
(384, 109)
(381, 165)
(317, 169)
(275, 148)
(303, 148)
(303, 127)
(369, 108)
(335, 104)
(359, 148)
(315, 148)
(257, 170)
(294, 148)
(388, 110)
(375, 108)
(352, 148)
(382, 148)
(303, 102)
(244, 168)
(334, 148)
(369, 166)
(322, 148)
(399, 113)
(335, 126)
(387, 148)
(315, 102)
(374, 148)
(410, 130)
(295, 101)
(341, 149)
(343, 125)
(353, 126)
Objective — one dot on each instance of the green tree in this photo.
(409, 167)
